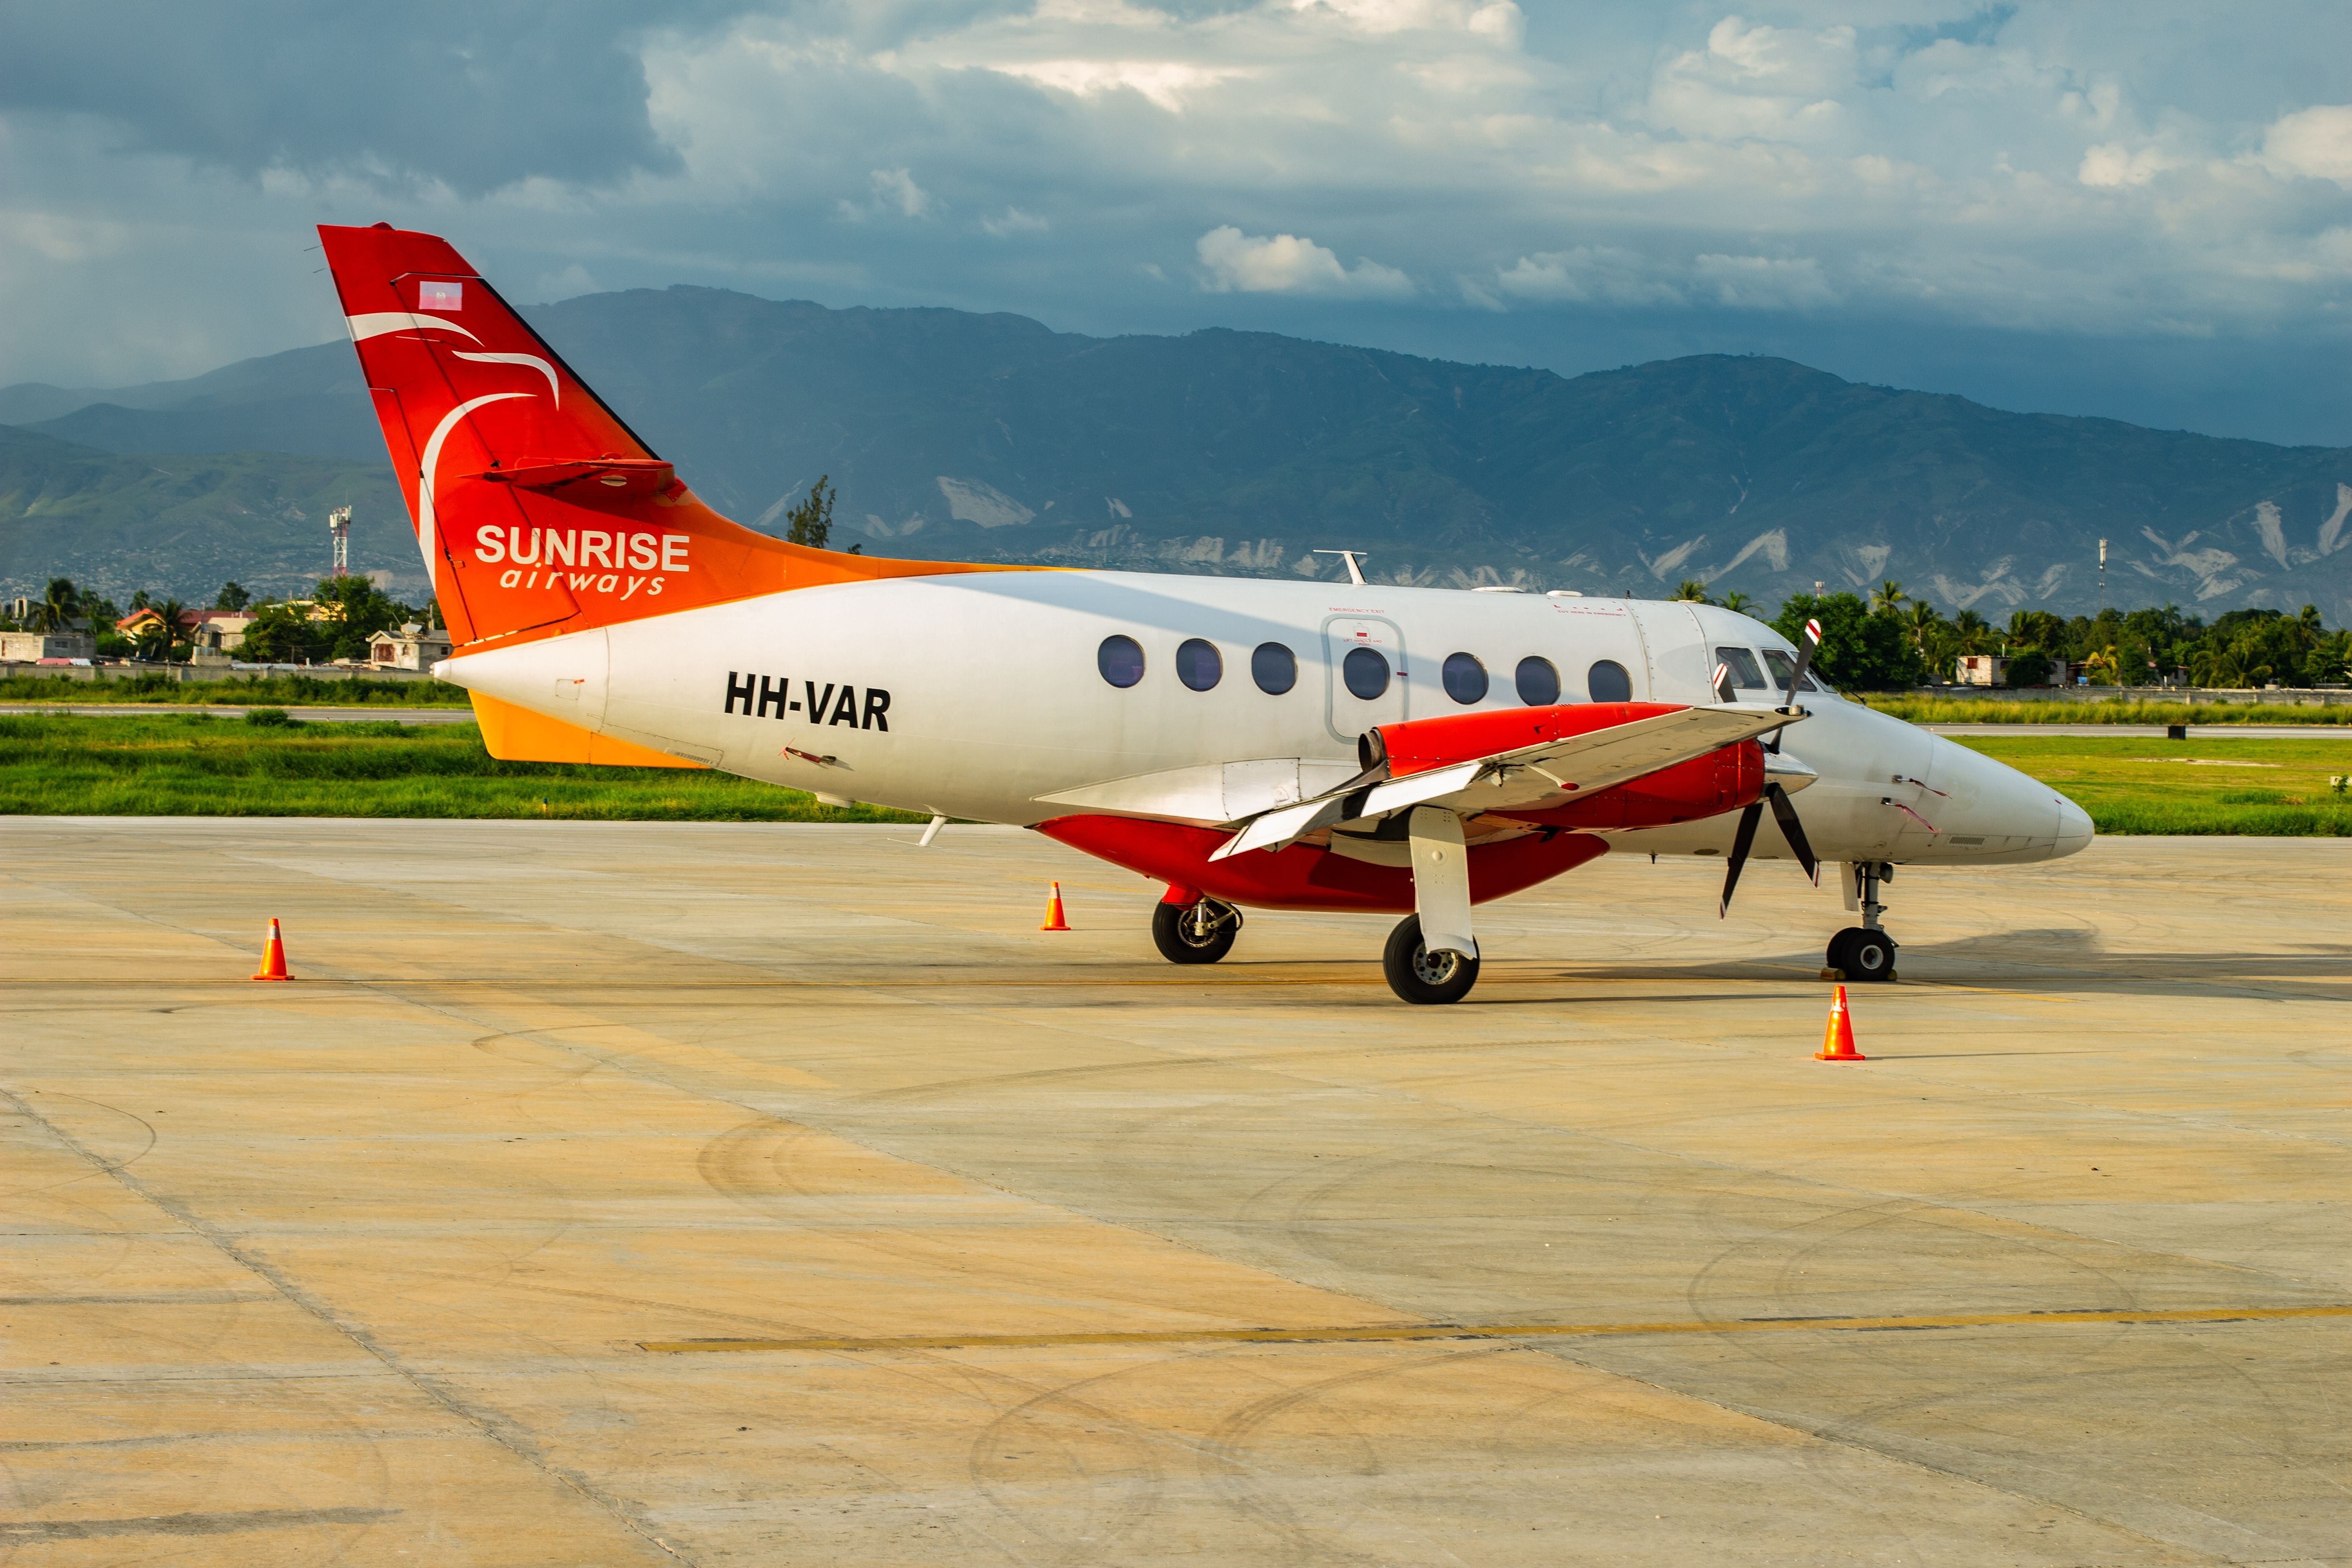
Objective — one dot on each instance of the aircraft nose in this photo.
(2074, 830)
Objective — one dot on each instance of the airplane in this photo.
(1248, 744)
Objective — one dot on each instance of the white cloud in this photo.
(1286, 264)
(2316, 141)
(1013, 221)
(1164, 82)
(2111, 165)
(573, 281)
(1604, 275)
(897, 188)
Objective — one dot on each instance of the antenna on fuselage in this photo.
(1355, 571)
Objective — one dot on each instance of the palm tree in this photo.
(1736, 601)
(1971, 631)
(157, 639)
(2228, 668)
(1923, 620)
(1692, 592)
(59, 606)
(1886, 595)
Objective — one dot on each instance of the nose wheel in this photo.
(1862, 954)
(1420, 976)
(1866, 952)
(1200, 933)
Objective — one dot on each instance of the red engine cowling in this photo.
(1418, 745)
(1724, 780)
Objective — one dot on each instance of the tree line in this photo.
(339, 620)
(1894, 639)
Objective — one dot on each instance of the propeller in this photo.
(1784, 810)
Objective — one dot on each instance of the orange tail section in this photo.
(537, 510)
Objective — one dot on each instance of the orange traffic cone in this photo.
(273, 956)
(1053, 920)
(1837, 1041)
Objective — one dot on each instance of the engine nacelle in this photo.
(1725, 779)
(1418, 745)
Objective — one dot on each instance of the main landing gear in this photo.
(1864, 952)
(1421, 976)
(1198, 932)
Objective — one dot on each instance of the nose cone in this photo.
(2074, 827)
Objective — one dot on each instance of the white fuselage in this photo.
(992, 696)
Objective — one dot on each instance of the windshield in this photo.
(1784, 666)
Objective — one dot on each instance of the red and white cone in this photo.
(1054, 918)
(1837, 1041)
(273, 956)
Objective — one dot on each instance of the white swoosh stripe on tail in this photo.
(428, 536)
(545, 369)
(378, 322)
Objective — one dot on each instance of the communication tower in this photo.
(339, 526)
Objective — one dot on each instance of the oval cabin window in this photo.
(1275, 668)
(1538, 681)
(1198, 663)
(1608, 683)
(1120, 660)
(1465, 678)
(1366, 671)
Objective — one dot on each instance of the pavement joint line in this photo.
(1388, 1333)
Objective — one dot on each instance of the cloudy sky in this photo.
(2136, 210)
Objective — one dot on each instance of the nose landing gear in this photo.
(1199, 933)
(1864, 952)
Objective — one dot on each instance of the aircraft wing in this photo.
(1546, 773)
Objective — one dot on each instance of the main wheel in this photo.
(1421, 976)
(1195, 933)
(1865, 955)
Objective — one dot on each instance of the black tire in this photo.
(1420, 977)
(1176, 931)
(1867, 956)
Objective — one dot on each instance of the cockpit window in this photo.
(1746, 673)
(1783, 666)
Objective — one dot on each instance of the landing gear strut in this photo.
(1198, 932)
(1421, 976)
(1864, 952)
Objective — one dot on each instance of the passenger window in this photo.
(1608, 683)
(1538, 681)
(1746, 674)
(1120, 660)
(1782, 667)
(1198, 663)
(1366, 671)
(1465, 678)
(1275, 668)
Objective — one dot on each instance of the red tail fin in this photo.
(536, 509)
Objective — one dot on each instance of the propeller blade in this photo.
(1805, 646)
(1784, 811)
(1723, 683)
(1741, 843)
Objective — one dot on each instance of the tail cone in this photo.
(1837, 1042)
(1054, 919)
(273, 956)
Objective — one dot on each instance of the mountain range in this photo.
(952, 434)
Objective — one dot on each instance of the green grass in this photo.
(196, 764)
(2113, 710)
(297, 691)
(2132, 783)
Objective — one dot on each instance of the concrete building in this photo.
(30, 648)
(412, 647)
(1983, 670)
